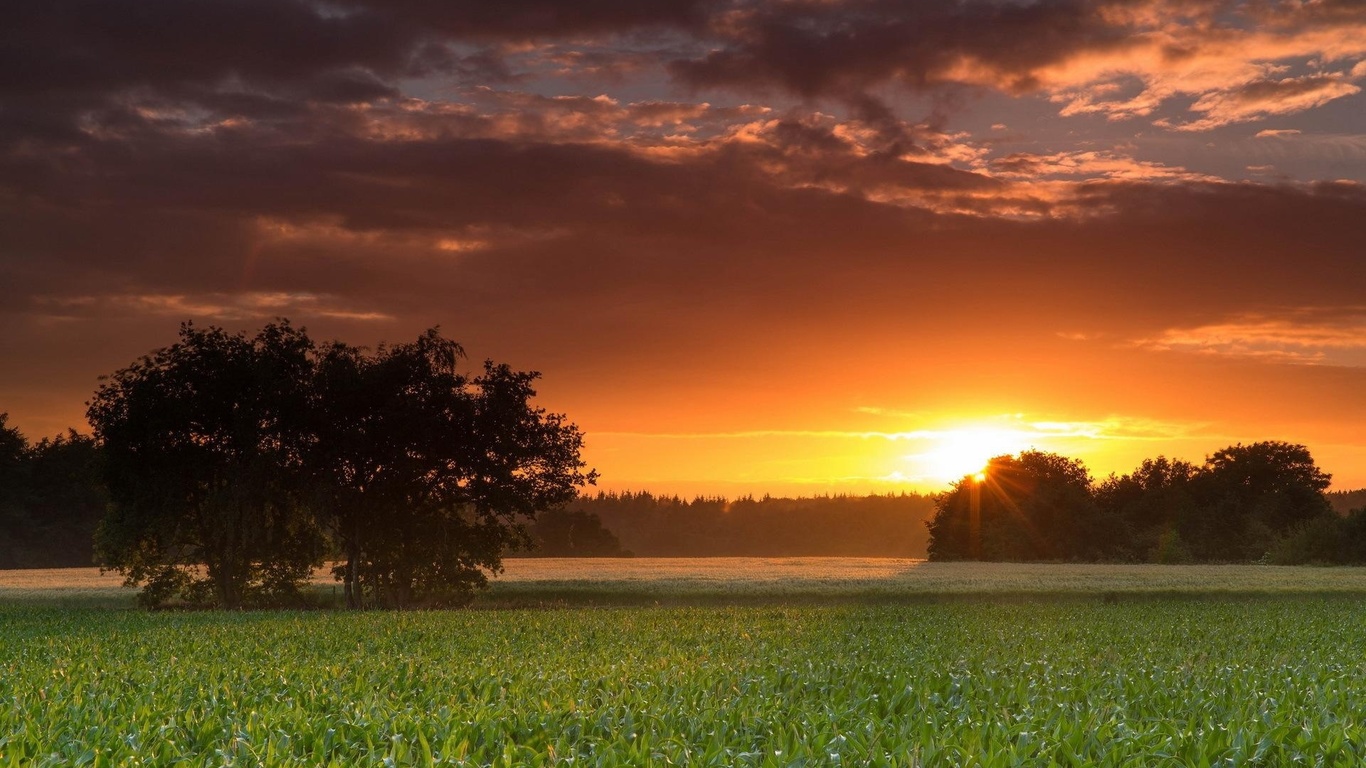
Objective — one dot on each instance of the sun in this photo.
(956, 453)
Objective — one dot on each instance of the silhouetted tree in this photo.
(51, 499)
(1249, 496)
(67, 500)
(574, 533)
(14, 489)
(1149, 505)
(1034, 506)
(1352, 529)
(423, 472)
(203, 444)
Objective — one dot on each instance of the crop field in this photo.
(765, 662)
(1175, 682)
(536, 582)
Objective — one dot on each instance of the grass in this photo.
(745, 662)
(762, 581)
(1067, 683)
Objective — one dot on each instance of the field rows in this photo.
(1154, 682)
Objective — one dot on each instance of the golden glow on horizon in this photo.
(959, 452)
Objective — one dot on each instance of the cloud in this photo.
(1087, 164)
(814, 48)
(216, 306)
(1122, 60)
(1301, 336)
(1263, 98)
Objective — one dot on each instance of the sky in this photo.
(782, 246)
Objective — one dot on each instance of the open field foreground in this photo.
(743, 580)
(1135, 683)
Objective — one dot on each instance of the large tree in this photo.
(229, 458)
(423, 472)
(1250, 496)
(203, 445)
(1034, 506)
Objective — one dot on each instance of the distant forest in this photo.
(707, 526)
(1346, 501)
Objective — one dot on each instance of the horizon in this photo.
(754, 247)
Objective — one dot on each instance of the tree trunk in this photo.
(227, 587)
(352, 576)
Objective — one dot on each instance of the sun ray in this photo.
(958, 452)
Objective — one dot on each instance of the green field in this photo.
(1141, 677)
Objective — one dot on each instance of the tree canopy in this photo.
(204, 442)
(1264, 500)
(234, 463)
(424, 471)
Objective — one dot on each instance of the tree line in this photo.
(1264, 502)
(891, 525)
(52, 498)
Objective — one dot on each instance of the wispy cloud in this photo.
(216, 307)
(1017, 427)
(1302, 336)
(1264, 98)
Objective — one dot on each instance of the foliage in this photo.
(1149, 504)
(13, 482)
(574, 533)
(51, 499)
(1327, 539)
(1251, 495)
(230, 458)
(1035, 506)
(1317, 541)
(203, 441)
(1158, 682)
(422, 472)
(1245, 503)
(708, 526)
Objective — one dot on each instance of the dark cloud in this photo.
(842, 48)
(63, 60)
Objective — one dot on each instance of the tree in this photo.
(51, 499)
(203, 445)
(67, 499)
(1150, 504)
(1249, 496)
(574, 533)
(422, 472)
(14, 490)
(1035, 506)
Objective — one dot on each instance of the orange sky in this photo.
(754, 247)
